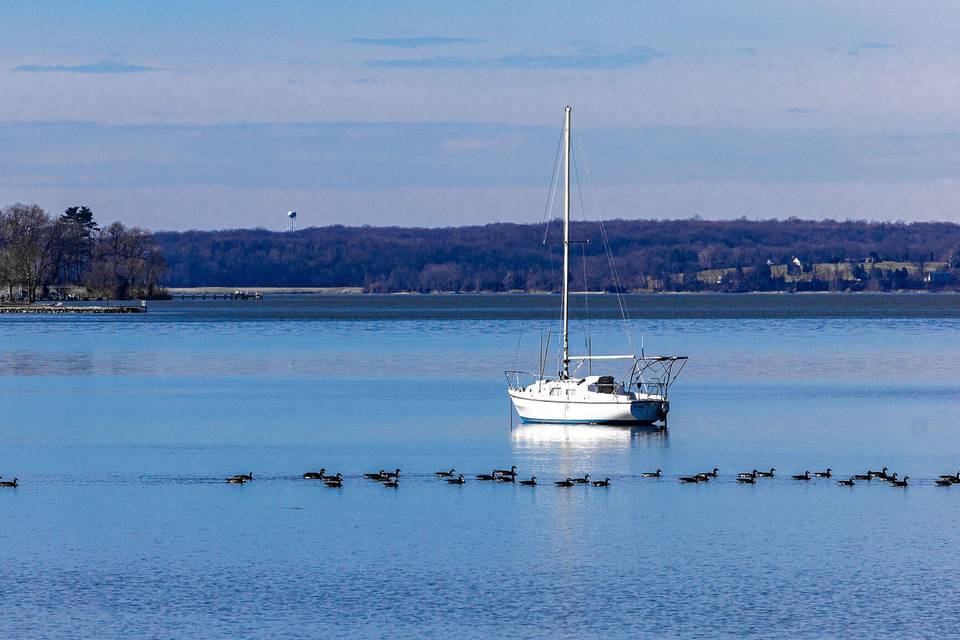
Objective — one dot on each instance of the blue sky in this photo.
(201, 114)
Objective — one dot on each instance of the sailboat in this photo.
(639, 397)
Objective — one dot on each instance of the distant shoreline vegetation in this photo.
(72, 257)
(649, 256)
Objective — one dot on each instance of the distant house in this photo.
(938, 277)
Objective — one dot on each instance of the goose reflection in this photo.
(586, 435)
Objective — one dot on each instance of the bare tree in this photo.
(29, 243)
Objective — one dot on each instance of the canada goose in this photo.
(691, 479)
(506, 478)
(824, 474)
(747, 479)
(375, 476)
(766, 474)
(752, 474)
(444, 474)
(529, 483)
(246, 476)
(393, 484)
(602, 483)
(9, 483)
(458, 480)
(334, 482)
(803, 476)
(702, 477)
(712, 474)
(863, 476)
(942, 482)
(487, 476)
(651, 474)
(846, 483)
(564, 483)
(878, 474)
(952, 479)
(236, 480)
(512, 471)
(584, 480)
(891, 479)
(900, 483)
(315, 475)
(391, 474)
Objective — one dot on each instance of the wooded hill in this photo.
(649, 255)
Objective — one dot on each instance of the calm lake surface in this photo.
(121, 430)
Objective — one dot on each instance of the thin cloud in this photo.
(633, 57)
(105, 66)
(869, 46)
(413, 43)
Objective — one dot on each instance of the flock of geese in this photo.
(391, 479)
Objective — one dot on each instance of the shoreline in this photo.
(359, 291)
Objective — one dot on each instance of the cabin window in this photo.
(554, 392)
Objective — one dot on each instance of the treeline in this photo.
(653, 255)
(72, 255)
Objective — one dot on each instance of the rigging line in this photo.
(583, 254)
(545, 221)
(606, 244)
(554, 184)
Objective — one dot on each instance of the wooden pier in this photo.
(213, 295)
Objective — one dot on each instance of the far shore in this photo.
(178, 291)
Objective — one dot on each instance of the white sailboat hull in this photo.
(611, 410)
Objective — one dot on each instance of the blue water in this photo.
(121, 430)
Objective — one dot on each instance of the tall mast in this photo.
(566, 242)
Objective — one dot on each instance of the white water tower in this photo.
(292, 215)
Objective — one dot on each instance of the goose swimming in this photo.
(315, 475)
(803, 476)
(458, 480)
(602, 483)
(766, 474)
(444, 474)
(651, 474)
(564, 483)
(584, 480)
(824, 474)
(846, 483)
(10, 483)
(529, 483)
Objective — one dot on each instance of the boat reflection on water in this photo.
(587, 435)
